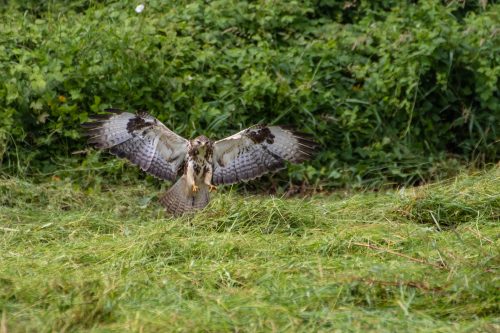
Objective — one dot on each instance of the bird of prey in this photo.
(198, 165)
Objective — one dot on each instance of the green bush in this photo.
(394, 91)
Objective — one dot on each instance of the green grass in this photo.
(420, 260)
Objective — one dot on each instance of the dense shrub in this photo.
(395, 91)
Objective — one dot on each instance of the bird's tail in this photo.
(179, 199)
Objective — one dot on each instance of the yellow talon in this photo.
(212, 188)
(194, 188)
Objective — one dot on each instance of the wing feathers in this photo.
(137, 150)
(109, 130)
(141, 139)
(258, 150)
(162, 168)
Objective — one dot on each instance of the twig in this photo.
(8, 229)
(479, 235)
(412, 284)
(435, 221)
(421, 261)
(3, 322)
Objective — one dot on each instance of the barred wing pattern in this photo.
(258, 150)
(140, 138)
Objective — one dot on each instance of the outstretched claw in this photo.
(212, 188)
(194, 188)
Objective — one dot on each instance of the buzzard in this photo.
(199, 164)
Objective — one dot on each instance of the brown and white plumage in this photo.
(141, 139)
(256, 151)
(200, 163)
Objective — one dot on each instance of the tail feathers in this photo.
(179, 199)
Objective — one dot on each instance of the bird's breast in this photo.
(199, 167)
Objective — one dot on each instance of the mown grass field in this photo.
(412, 260)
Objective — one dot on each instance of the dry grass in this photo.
(421, 260)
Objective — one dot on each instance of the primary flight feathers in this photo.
(200, 163)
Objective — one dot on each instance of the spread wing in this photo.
(258, 150)
(140, 138)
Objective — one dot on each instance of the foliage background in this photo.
(395, 91)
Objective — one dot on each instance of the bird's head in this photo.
(200, 142)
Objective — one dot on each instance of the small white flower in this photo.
(139, 8)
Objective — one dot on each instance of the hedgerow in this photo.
(395, 91)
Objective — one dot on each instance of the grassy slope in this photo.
(416, 260)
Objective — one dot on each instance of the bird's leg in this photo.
(190, 179)
(208, 181)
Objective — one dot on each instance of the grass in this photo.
(419, 259)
